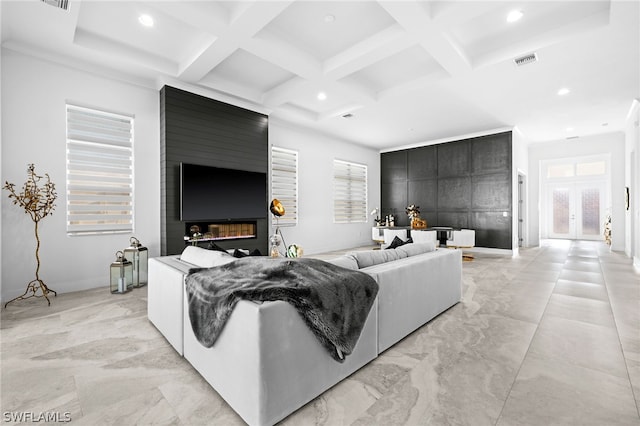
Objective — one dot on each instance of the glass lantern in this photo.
(121, 272)
(139, 256)
(274, 246)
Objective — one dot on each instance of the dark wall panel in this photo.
(423, 193)
(492, 191)
(463, 184)
(394, 201)
(491, 153)
(394, 165)
(422, 163)
(492, 228)
(200, 130)
(454, 219)
(454, 193)
(453, 159)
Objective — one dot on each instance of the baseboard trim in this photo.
(489, 250)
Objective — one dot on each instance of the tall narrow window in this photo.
(349, 192)
(99, 172)
(284, 183)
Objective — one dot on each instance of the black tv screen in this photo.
(213, 193)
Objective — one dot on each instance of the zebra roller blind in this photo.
(349, 192)
(99, 171)
(284, 183)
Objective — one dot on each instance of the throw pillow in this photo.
(397, 242)
(345, 261)
(213, 246)
(255, 252)
(417, 248)
(205, 258)
(366, 258)
(239, 253)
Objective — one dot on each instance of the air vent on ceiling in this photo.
(348, 115)
(527, 59)
(61, 4)
(573, 137)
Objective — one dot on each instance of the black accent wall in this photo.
(200, 130)
(463, 184)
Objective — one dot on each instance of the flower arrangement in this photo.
(376, 221)
(607, 229)
(413, 211)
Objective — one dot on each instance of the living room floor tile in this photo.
(580, 309)
(548, 392)
(551, 336)
(581, 289)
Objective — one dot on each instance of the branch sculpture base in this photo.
(38, 202)
(34, 287)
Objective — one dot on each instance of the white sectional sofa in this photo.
(267, 363)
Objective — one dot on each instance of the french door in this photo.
(576, 210)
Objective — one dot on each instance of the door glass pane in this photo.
(591, 169)
(561, 211)
(590, 211)
(560, 170)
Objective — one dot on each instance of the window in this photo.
(560, 170)
(99, 172)
(284, 183)
(595, 168)
(349, 192)
(577, 168)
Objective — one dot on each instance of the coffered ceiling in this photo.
(394, 73)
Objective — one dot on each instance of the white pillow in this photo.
(205, 258)
(417, 248)
(345, 261)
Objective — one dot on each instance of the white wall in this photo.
(632, 161)
(1, 150)
(315, 230)
(520, 166)
(609, 143)
(34, 93)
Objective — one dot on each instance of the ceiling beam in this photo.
(244, 25)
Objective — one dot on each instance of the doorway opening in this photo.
(576, 197)
(521, 209)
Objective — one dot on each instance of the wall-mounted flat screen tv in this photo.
(213, 193)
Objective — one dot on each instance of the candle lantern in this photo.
(121, 272)
(139, 256)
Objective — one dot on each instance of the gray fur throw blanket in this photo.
(333, 301)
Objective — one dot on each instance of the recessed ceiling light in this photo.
(146, 20)
(329, 18)
(322, 96)
(514, 16)
(563, 91)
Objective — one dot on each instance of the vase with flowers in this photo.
(413, 212)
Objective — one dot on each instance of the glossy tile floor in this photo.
(551, 337)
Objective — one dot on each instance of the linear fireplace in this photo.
(220, 231)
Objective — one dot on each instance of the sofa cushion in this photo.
(366, 258)
(205, 258)
(345, 261)
(416, 248)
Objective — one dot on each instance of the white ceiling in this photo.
(408, 71)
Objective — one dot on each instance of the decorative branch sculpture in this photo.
(38, 202)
